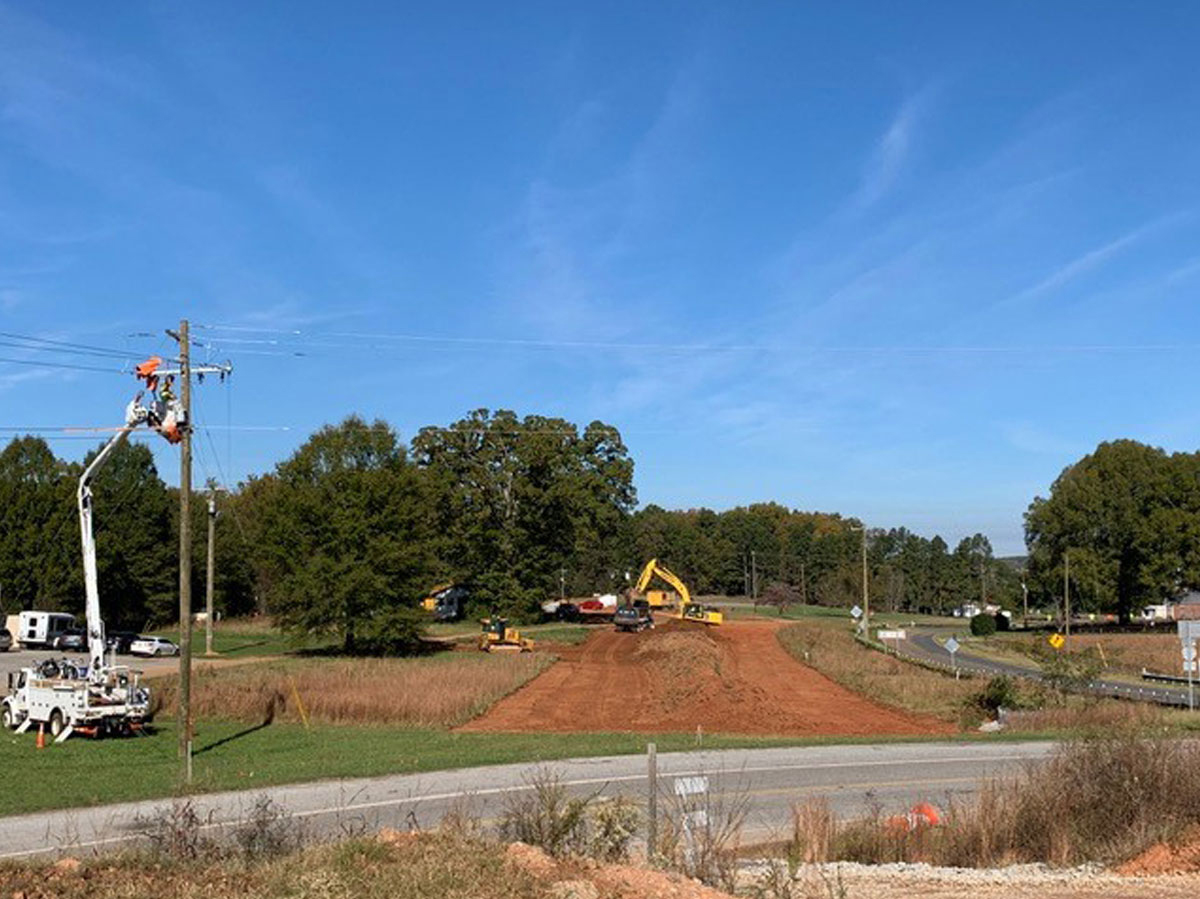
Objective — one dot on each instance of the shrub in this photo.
(983, 625)
(547, 816)
(1000, 692)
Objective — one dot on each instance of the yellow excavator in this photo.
(661, 599)
(497, 636)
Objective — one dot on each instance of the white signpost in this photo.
(693, 817)
(894, 635)
(1189, 666)
(952, 647)
(1189, 631)
(687, 786)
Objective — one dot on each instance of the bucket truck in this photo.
(67, 698)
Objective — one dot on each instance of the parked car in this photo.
(119, 641)
(73, 639)
(153, 646)
(5, 639)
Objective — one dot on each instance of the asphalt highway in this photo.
(852, 778)
(924, 647)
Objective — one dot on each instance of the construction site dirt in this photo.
(680, 677)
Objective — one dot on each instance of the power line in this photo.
(66, 365)
(87, 348)
(322, 341)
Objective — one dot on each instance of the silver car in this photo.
(153, 646)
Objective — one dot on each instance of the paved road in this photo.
(923, 646)
(850, 777)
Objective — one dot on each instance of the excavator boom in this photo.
(688, 610)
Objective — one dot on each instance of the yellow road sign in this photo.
(1057, 641)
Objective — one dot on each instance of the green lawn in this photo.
(248, 642)
(551, 632)
(233, 756)
(890, 619)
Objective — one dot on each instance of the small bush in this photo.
(1000, 692)
(700, 835)
(983, 625)
(268, 832)
(177, 832)
(548, 817)
(613, 824)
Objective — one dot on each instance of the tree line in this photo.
(350, 531)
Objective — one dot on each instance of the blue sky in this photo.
(902, 261)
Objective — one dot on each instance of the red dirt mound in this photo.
(1162, 858)
(733, 679)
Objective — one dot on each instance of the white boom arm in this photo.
(135, 414)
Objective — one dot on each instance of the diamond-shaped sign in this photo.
(856, 612)
(951, 646)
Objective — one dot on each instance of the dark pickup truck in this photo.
(633, 618)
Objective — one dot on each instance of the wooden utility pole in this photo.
(1067, 597)
(866, 587)
(208, 584)
(754, 574)
(185, 552)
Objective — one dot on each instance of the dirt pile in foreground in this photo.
(1164, 858)
(679, 677)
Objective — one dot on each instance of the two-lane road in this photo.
(850, 777)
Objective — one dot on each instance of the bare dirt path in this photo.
(681, 676)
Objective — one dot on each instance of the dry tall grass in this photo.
(438, 865)
(1096, 800)
(1126, 653)
(442, 691)
(832, 650)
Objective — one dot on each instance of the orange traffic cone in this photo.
(41, 740)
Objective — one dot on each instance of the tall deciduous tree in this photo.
(344, 537)
(1129, 516)
(522, 499)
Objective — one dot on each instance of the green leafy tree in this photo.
(1129, 517)
(344, 532)
(39, 530)
(520, 500)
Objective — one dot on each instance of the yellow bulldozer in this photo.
(497, 636)
(661, 599)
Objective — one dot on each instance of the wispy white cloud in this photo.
(891, 152)
(569, 271)
(1090, 260)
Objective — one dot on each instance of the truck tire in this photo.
(56, 724)
(8, 719)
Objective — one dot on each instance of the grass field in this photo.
(1118, 653)
(830, 647)
(443, 690)
(248, 637)
(233, 756)
(551, 632)
(436, 865)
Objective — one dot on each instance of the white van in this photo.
(42, 628)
